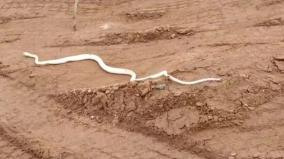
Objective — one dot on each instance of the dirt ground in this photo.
(77, 111)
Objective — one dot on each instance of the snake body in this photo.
(113, 70)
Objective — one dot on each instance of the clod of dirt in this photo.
(279, 63)
(142, 105)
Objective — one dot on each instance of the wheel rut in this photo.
(36, 122)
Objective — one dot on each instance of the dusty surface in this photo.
(76, 110)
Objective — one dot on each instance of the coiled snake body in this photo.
(114, 70)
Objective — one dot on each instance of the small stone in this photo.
(173, 36)
(178, 93)
(92, 117)
(31, 76)
(220, 119)
(234, 154)
(256, 155)
(199, 104)
(246, 76)
(160, 86)
(210, 117)
(145, 88)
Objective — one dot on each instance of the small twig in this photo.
(75, 15)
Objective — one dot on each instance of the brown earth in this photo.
(77, 111)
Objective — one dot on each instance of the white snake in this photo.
(113, 70)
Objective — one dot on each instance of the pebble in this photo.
(256, 156)
(233, 154)
(173, 36)
(178, 93)
(107, 91)
(160, 86)
(31, 75)
(199, 104)
(210, 117)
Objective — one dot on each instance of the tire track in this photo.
(56, 136)
(11, 151)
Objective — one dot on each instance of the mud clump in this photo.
(129, 103)
(147, 105)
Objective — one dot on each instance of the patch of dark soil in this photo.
(22, 143)
(159, 33)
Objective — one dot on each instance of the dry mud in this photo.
(77, 111)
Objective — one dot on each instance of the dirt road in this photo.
(76, 110)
